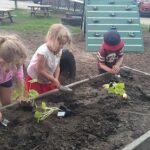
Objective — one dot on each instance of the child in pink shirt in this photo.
(12, 57)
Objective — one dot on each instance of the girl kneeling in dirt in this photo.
(110, 55)
(44, 65)
(12, 58)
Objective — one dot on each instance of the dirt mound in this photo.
(99, 120)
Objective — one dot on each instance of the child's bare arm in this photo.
(42, 72)
(20, 87)
(19, 82)
(106, 68)
(57, 72)
(118, 64)
(120, 61)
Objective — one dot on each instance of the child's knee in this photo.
(5, 101)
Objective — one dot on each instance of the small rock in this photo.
(91, 137)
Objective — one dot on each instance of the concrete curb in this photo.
(142, 143)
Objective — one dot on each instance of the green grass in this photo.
(145, 28)
(24, 22)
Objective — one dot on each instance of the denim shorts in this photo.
(7, 84)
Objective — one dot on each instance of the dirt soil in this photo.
(100, 121)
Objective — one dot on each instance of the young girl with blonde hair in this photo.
(44, 65)
(12, 58)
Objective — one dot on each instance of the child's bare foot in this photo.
(0, 116)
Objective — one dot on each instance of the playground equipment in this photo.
(120, 15)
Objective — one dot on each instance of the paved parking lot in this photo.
(11, 4)
(145, 21)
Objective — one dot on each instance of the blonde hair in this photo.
(12, 50)
(58, 34)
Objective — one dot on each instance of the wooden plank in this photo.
(40, 10)
(6, 17)
(6, 14)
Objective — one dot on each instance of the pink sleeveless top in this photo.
(8, 75)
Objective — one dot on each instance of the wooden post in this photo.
(16, 6)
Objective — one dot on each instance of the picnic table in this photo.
(40, 10)
(5, 13)
(77, 3)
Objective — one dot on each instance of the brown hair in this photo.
(58, 34)
(12, 50)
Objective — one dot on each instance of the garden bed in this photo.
(100, 121)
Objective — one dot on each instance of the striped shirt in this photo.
(108, 57)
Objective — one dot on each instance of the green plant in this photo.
(15, 93)
(43, 111)
(33, 93)
(115, 88)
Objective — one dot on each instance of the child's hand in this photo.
(116, 69)
(113, 71)
(21, 98)
(57, 82)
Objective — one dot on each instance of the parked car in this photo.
(139, 1)
(144, 8)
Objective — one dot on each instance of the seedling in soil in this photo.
(116, 88)
(16, 93)
(28, 105)
(31, 94)
(43, 111)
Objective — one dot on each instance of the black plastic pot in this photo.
(67, 64)
(73, 21)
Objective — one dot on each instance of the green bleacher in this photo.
(120, 15)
